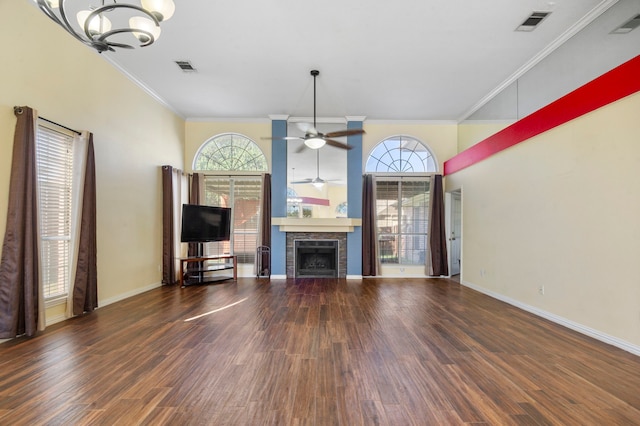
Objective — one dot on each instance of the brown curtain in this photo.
(265, 226)
(369, 243)
(20, 294)
(168, 243)
(85, 286)
(194, 198)
(438, 264)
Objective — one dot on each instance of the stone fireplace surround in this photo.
(342, 249)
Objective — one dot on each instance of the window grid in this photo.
(54, 157)
(400, 154)
(230, 152)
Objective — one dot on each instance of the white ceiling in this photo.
(400, 60)
(422, 60)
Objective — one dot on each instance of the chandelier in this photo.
(94, 28)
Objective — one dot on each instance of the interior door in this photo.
(455, 239)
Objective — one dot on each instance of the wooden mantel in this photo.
(338, 224)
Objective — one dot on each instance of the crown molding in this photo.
(413, 122)
(275, 117)
(227, 120)
(141, 85)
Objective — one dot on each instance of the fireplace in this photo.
(316, 258)
(316, 254)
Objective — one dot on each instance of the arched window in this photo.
(401, 200)
(401, 154)
(230, 152)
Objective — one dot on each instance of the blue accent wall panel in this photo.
(354, 199)
(278, 196)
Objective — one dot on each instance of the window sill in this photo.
(50, 303)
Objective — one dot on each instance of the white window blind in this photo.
(243, 194)
(54, 156)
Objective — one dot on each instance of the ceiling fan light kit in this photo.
(314, 143)
(94, 28)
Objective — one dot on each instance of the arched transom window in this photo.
(401, 154)
(230, 152)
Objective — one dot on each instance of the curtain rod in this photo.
(60, 125)
(19, 110)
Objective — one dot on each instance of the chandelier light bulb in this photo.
(144, 24)
(98, 24)
(161, 9)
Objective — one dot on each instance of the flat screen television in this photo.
(201, 224)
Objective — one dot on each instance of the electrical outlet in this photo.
(541, 290)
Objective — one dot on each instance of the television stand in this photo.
(201, 279)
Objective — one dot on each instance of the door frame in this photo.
(449, 197)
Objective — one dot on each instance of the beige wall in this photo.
(561, 211)
(44, 68)
(472, 132)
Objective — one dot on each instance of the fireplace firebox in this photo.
(316, 258)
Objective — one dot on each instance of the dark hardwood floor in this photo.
(315, 352)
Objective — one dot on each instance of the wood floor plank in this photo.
(315, 352)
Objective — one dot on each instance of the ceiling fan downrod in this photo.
(314, 73)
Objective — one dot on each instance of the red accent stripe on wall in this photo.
(616, 84)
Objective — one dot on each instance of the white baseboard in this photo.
(128, 294)
(354, 277)
(587, 331)
(55, 320)
(278, 277)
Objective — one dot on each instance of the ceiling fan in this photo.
(313, 138)
(318, 182)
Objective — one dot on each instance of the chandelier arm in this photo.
(103, 37)
(102, 41)
(64, 22)
(110, 7)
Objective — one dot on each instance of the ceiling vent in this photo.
(532, 21)
(628, 26)
(185, 66)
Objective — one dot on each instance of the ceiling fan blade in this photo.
(337, 144)
(301, 148)
(349, 132)
(301, 181)
(304, 127)
(284, 138)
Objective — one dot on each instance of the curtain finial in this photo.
(17, 110)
